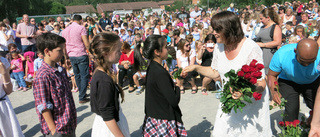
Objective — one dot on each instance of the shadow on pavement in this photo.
(81, 108)
(203, 129)
(137, 133)
(87, 133)
(33, 131)
(24, 107)
(23, 127)
(83, 116)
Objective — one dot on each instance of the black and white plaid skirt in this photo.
(163, 128)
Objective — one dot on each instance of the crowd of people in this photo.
(148, 52)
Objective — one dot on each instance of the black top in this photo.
(162, 99)
(104, 22)
(207, 58)
(183, 15)
(104, 96)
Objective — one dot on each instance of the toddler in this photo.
(17, 70)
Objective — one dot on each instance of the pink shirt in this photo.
(18, 65)
(26, 29)
(74, 44)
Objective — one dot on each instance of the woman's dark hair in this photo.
(282, 8)
(169, 24)
(87, 18)
(49, 41)
(103, 44)
(153, 42)
(176, 32)
(40, 25)
(210, 37)
(228, 24)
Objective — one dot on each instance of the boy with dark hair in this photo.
(53, 97)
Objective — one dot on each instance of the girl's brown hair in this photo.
(181, 45)
(299, 27)
(103, 44)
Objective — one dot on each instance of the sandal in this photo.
(204, 92)
(182, 91)
(194, 91)
(130, 91)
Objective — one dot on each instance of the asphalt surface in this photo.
(198, 113)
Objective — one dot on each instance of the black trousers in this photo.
(291, 91)
(122, 73)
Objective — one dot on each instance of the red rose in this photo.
(247, 76)
(260, 66)
(253, 80)
(281, 123)
(253, 63)
(293, 124)
(245, 68)
(310, 24)
(257, 96)
(296, 122)
(253, 69)
(276, 83)
(257, 74)
(240, 73)
(287, 123)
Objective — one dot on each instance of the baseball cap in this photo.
(165, 31)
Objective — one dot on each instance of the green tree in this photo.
(57, 8)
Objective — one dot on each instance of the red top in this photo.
(124, 57)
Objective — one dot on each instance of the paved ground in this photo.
(198, 114)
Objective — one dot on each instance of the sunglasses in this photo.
(188, 45)
(32, 21)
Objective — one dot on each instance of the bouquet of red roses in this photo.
(292, 129)
(240, 88)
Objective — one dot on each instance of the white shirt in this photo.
(184, 60)
(194, 14)
(4, 43)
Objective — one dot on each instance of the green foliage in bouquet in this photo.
(237, 84)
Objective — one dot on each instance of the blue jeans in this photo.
(80, 67)
(26, 48)
(19, 78)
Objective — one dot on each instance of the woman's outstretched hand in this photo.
(184, 72)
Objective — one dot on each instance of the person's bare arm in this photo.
(22, 57)
(20, 36)
(206, 71)
(294, 20)
(85, 41)
(113, 127)
(272, 77)
(200, 52)
(276, 39)
(7, 85)
(315, 123)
